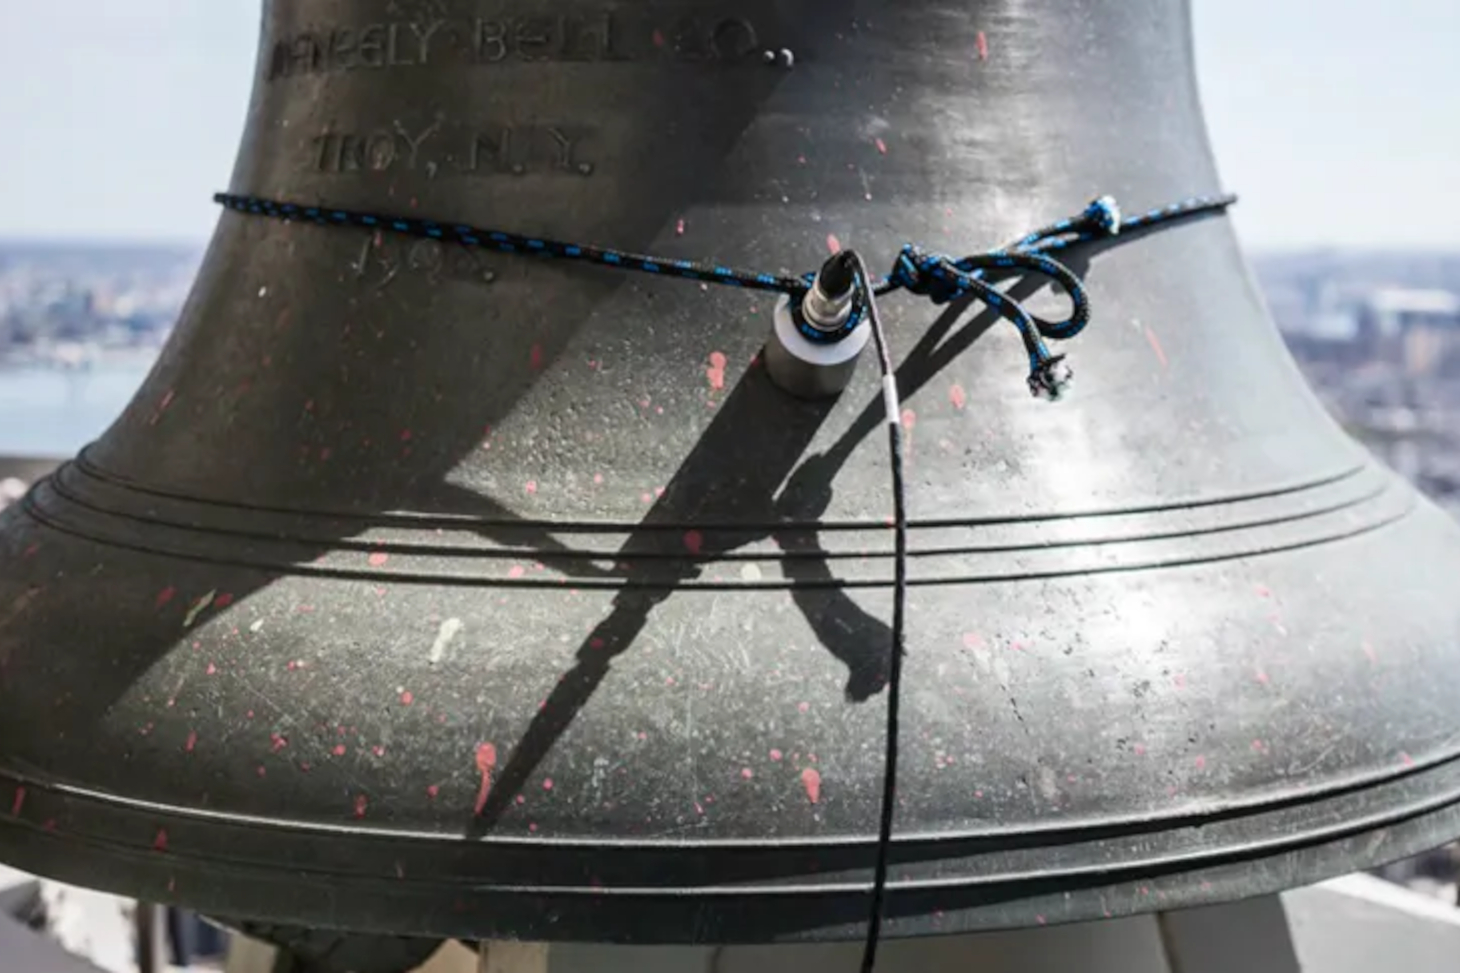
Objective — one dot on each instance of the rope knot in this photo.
(931, 275)
(1050, 378)
(1104, 213)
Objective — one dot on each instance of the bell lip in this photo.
(1189, 859)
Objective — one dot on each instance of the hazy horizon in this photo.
(1327, 119)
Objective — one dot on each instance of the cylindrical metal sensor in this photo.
(813, 349)
(810, 369)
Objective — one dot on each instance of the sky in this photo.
(1338, 124)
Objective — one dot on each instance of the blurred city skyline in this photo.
(124, 118)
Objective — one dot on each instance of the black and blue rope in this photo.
(927, 273)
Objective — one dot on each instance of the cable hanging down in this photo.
(936, 276)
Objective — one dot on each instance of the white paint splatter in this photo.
(256, 626)
(448, 631)
(750, 572)
(1049, 787)
(198, 607)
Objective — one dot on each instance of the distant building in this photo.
(1417, 329)
(1330, 337)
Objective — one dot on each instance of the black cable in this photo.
(899, 609)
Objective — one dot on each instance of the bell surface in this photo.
(430, 591)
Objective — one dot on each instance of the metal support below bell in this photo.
(431, 593)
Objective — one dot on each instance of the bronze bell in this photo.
(431, 591)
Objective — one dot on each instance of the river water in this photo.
(53, 412)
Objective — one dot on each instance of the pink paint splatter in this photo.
(1139, 749)
(407, 698)
(277, 742)
(679, 227)
(405, 435)
(803, 707)
(1180, 680)
(516, 571)
(261, 771)
(1201, 762)
(658, 37)
(547, 783)
(160, 842)
(165, 595)
(432, 791)
(694, 541)
(339, 750)
(18, 803)
(211, 669)
(746, 773)
(223, 600)
(983, 46)
(531, 486)
(716, 372)
(597, 479)
(957, 396)
(1262, 677)
(833, 245)
(1406, 760)
(882, 146)
(361, 803)
(1156, 347)
(378, 559)
(1039, 919)
(486, 760)
(1258, 746)
(811, 780)
(30, 551)
(776, 755)
(909, 419)
(378, 750)
(192, 741)
(534, 358)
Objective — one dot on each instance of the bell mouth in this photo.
(672, 891)
(466, 859)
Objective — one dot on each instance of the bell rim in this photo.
(1359, 819)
